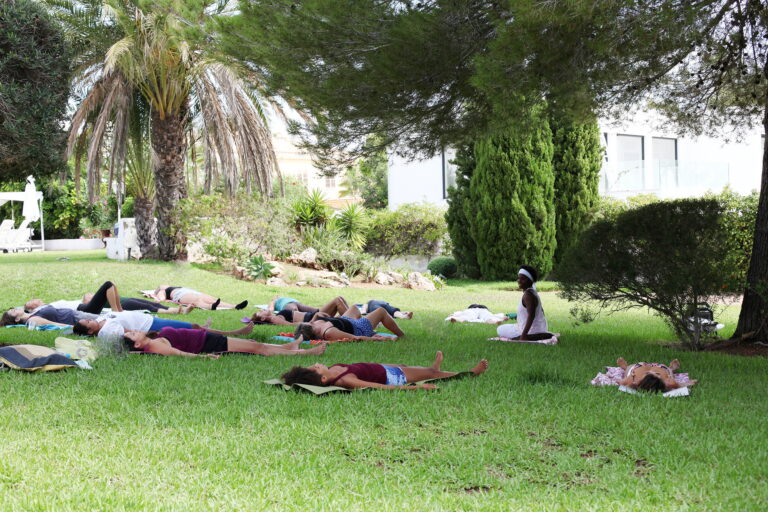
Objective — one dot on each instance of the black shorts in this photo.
(214, 343)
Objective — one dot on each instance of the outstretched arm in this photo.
(352, 382)
(38, 320)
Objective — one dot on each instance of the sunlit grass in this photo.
(160, 433)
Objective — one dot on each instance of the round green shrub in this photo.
(443, 266)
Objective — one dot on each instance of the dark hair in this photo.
(301, 375)
(532, 271)
(8, 319)
(128, 343)
(652, 384)
(304, 329)
(80, 329)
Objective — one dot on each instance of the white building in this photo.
(638, 160)
(297, 165)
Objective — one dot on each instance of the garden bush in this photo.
(668, 256)
(443, 266)
(411, 229)
(235, 230)
(335, 251)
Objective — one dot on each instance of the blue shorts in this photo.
(159, 323)
(395, 376)
(282, 302)
(360, 326)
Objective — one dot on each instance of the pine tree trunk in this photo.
(753, 319)
(146, 230)
(168, 142)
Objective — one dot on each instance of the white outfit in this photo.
(538, 325)
(178, 293)
(477, 315)
(118, 322)
(59, 304)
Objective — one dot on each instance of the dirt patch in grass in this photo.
(735, 348)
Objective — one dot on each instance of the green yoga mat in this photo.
(322, 390)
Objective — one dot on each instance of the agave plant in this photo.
(311, 210)
(353, 223)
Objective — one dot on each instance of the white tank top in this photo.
(539, 323)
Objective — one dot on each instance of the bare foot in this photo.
(438, 360)
(480, 368)
(404, 314)
(622, 363)
(294, 345)
(316, 351)
(246, 329)
(208, 323)
(674, 365)
(186, 309)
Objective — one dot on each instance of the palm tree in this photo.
(130, 46)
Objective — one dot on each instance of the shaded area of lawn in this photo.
(532, 434)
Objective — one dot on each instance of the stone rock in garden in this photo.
(416, 281)
(300, 283)
(307, 258)
(241, 273)
(334, 277)
(397, 277)
(383, 278)
(277, 270)
(276, 281)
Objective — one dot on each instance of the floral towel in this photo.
(614, 374)
(551, 341)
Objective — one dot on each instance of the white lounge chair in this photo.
(18, 239)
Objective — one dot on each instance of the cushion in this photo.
(33, 358)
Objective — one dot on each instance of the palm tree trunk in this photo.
(168, 143)
(146, 230)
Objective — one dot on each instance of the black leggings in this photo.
(98, 301)
(133, 304)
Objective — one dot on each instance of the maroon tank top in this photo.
(369, 372)
(187, 340)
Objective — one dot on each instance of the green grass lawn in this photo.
(158, 433)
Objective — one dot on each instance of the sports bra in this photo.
(169, 290)
(341, 324)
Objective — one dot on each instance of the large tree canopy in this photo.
(391, 66)
(398, 69)
(34, 86)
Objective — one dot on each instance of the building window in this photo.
(330, 181)
(665, 170)
(628, 174)
(449, 170)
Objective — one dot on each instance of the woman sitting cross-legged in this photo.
(335, 307)
(373, 375)
(531, 323)
(188, 296)
(653, 377)
(116, 324)
(170, 341)
(349, 326)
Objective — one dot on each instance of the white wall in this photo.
(703, 164)
(418, 181)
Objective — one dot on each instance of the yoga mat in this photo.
(322, 390)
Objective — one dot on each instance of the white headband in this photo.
(528, 275)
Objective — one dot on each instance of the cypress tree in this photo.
(577, 161)
(459, 209)
(512, 193)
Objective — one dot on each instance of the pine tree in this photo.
(459, 208)
(577, 161)
(512, 193)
